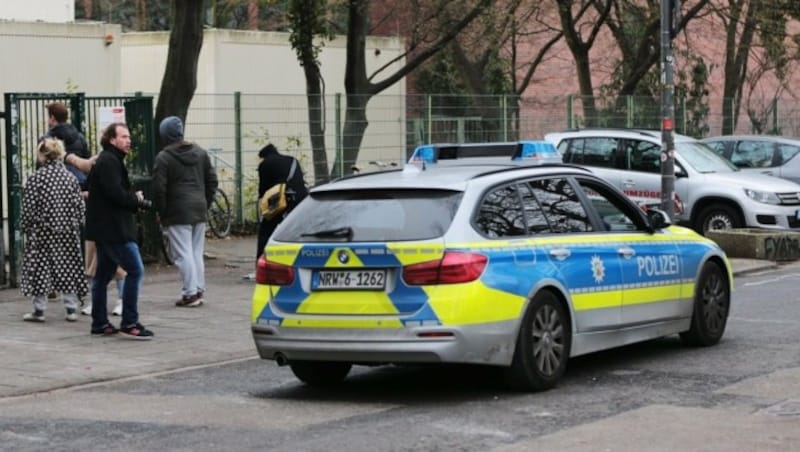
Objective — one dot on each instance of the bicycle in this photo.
(220, 217)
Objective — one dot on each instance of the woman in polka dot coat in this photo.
(52, 213)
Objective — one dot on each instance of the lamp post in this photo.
(669, 8)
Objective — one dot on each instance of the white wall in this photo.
(38, 10)
(264, 68)
(49, 57)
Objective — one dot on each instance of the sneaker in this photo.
(71, 316)
(191, 301)
(118, 308)
(35, 316)
(106, 330)
(87, 310)
(136, 331)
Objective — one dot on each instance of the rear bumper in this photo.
(491, 344)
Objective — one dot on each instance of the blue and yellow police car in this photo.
(508, 265)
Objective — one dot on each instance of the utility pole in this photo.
(669, 11)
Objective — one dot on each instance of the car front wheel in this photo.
(712, 302)
(717, 216)
(543, 345)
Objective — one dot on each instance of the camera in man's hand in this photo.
(145, 204)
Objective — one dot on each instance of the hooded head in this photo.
(171, 130)
(269, 149)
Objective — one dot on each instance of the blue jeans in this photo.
(109, 256)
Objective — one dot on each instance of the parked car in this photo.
(516, 266)
(766, 154)
(714, 192)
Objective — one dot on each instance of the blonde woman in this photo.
(52, 213)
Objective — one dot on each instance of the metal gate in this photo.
(25, 121)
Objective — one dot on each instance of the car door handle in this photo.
(628, 183)
(560, 253)
(626, 252)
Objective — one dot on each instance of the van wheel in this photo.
(543, 345)
(717, 216)
(320, 373)
(712, 301)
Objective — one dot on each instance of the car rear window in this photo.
(372, 215)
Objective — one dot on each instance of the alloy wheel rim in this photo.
(547, 335)
(715, 306)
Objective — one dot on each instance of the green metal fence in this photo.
(234, 126)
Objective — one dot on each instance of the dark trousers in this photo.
(265, 230)
(109, 256)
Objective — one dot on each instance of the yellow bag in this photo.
(274, 202)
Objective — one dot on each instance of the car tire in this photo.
(712, 300)
(718, 216)
(320, 373)
(543, 345)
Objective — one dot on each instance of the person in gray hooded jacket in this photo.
(184, 183)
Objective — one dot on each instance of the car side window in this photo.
(786, 152)
(560, 205)
(500, 213)
(534, 215)
(598, 151)
(752, 154)
(643, 156)
(616, 214)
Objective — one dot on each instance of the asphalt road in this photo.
(743, 394)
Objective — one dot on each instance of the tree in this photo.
(573, 20)
(180, 74)
(360, 87)
(753, 29)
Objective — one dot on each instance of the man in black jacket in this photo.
(274, 169)
(109, 222)
(78, 160)
(184, 183)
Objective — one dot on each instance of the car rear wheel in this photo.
(712, 301)
(543, 345)
(718, 216)
(320, 373)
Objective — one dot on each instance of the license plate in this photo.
(349, 280)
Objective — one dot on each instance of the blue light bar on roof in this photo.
(535, 150)
(423, 154)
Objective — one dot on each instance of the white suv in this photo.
(715, 194)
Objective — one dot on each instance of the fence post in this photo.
(775, 115)
(629, 106)
(429, 118)
(14, 175)
(338, 130)
(504, 103)
(237, 131)
(570, 112)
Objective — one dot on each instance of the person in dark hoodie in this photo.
(184, 183)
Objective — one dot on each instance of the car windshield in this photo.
(370, 215)
(700, 157)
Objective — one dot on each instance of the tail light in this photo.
(452, 268)
(273, 273)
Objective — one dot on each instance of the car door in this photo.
(650, 264)
(642, 181)
(587, 267)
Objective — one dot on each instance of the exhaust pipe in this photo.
(281, 359)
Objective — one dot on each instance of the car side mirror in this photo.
(658, 218)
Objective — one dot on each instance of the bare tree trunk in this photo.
(87, 9)
(141, 15)
(180, 74)
(252, 14)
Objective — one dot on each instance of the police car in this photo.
(516, 266)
